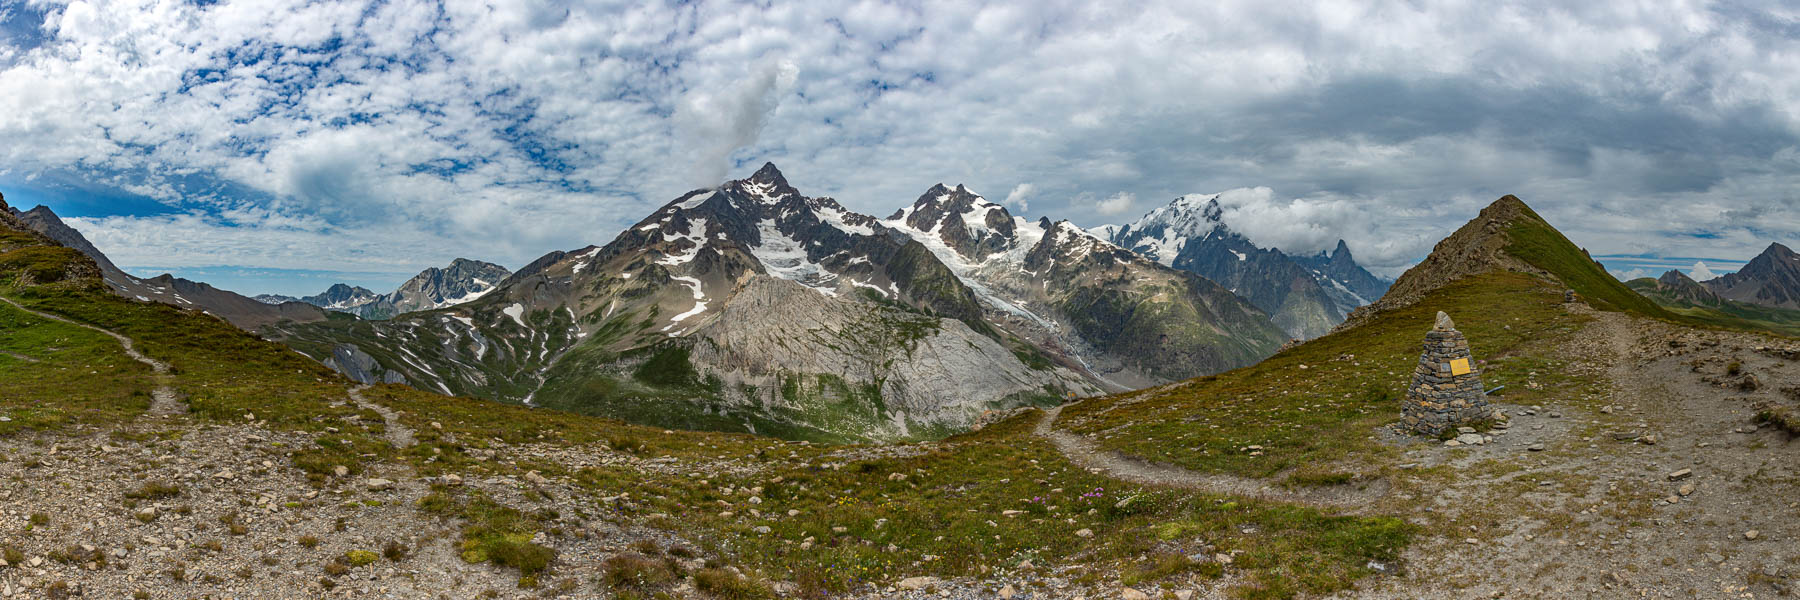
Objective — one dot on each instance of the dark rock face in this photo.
(1446, 390)
(1770, 279)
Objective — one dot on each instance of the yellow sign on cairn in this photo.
(1459, 367)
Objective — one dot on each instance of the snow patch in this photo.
(696, 238)
(516, 312)
(783, 257)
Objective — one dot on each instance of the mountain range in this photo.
(753, 307)
(463, 281)
(1305, 296)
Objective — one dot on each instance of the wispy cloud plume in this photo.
(717, 123)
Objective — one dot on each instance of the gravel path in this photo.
(163, 399)
(398, 433)
(1085, 454)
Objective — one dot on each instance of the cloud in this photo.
(1628, 275)
(718, 124)
(1116, 204)
(395, 135)
(1700, 272)
(1020, 196)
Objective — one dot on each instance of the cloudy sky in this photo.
(279, 145)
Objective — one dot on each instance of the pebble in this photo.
(378, 484)
(1131, 594)
(1752, 534)
(1681, 474)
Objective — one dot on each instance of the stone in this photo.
(913, 584)
(535, 478)
(1470, 439)
(1687, 489)
(1441, 399)
(378, 485)
(340, 470)
(1131, 594)
(453, 480)
(1681, 474)
(1007, 592)
(1752, 534)
(1184, 594)
(1084, 533)
(1536, 448)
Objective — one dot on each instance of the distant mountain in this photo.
(464, 281)
(273, 298)
(1343, 278)
(1771, 279)
(752, 307)
(1306, 297)
(341, 297)
(1679, 287)
(240, 311)
(1121, 317)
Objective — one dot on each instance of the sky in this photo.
(280, 145)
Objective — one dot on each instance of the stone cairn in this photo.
(1446, 388)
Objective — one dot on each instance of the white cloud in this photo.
(1116, 204)
(719, 123)
(1020, 196)
(1700, 272)
(1628, 275)
(414, 131)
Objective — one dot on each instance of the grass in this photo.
(154, 490)
(1780, 417)
(496, 533)
(1320, 403)
(726, 585)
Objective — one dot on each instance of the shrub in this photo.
(154, 490)
(631, 572)
(722, 583)
(358, 558)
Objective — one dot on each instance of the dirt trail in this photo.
(398, 433)
(163, 402)
(1085, 454)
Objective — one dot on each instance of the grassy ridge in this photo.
(1541, 245)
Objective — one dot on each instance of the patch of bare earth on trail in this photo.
(1088, 455)
(1663, 485)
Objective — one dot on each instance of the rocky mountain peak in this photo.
(1776, 250)
(1770, 279)
(769, 175)
(1674, 278)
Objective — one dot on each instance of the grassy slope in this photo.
(1543, 246)
(949, 506)
(1318, 405)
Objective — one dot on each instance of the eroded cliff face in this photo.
(862, 368)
